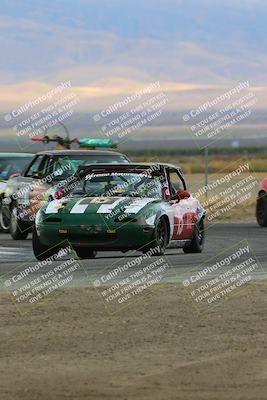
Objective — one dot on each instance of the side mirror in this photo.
(182, 194)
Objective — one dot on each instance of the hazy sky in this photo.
(110, 47)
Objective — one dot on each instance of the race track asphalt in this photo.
(219, 238)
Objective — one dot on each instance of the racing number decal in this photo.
(105, 205)
(184, 220)
(178, 223)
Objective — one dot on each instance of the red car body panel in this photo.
(263, 185)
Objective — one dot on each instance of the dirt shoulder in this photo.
(159, 348)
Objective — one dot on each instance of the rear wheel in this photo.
(84, 253)
(18, 230)
(41, 251)
(261, 210)
(160, 238)
(197, 242)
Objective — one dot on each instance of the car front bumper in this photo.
(122, 237)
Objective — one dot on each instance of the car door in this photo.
(32, 187)
(184, 210)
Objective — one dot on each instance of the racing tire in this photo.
(261, 210)
(41, 251)
(160, 238)
(197, 242)
(18, 229)
(4, 221)
(85, 254)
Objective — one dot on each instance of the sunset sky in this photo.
(108, 48)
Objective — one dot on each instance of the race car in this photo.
(261, 207)
(10, 164)
(121, 207)
(25, 194)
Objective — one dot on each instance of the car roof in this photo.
(83, 170)
(18, 155)
(80, 152)
(147, 165)
(130, 165)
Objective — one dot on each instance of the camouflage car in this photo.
(25, 194)
(10, 164)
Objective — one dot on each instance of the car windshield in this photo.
(12, 165)
(120, 184)
(64, 167)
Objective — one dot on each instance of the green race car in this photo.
(121, 207)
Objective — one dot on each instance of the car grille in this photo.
(95, 237)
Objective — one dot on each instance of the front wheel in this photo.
(261, 210)
(85, 254)
(160, 238)
(18, 230)
(197, 242)
(41, 251)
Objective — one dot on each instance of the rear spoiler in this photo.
(86, 169)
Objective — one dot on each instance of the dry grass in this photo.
(196, 164)
(244, 212)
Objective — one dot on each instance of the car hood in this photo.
(99, 205)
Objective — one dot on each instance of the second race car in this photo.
(121, 207)
(10, 164)
(25, 194)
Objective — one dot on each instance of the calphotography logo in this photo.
(123, 119)
(229, 191)
(214, 118)
(32, 284)
(222, 276)
(125, 283)
(34, 118)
